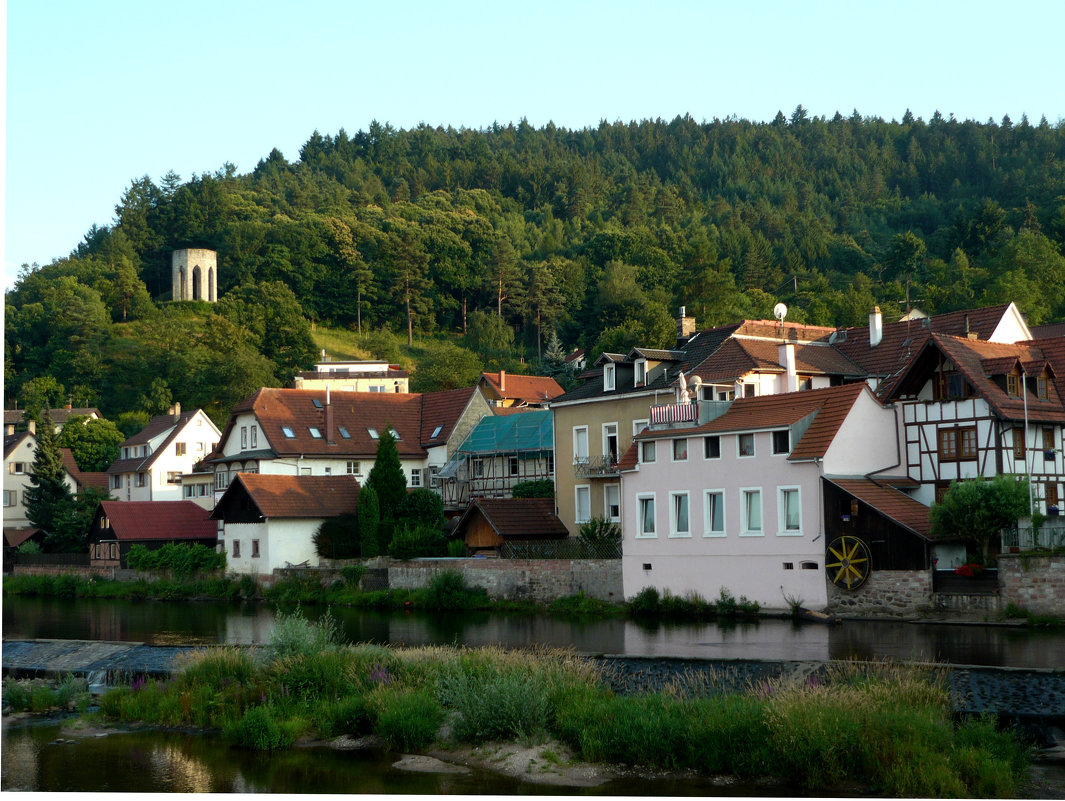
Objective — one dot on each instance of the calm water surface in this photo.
(168, 623)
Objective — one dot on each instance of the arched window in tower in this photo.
(210, 285)
(183, 290)
(197, 283)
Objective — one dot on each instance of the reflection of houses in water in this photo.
(501, 451)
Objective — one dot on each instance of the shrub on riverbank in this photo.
(70, 586)
(39, 696)
(887, 727)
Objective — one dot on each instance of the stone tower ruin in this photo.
(194, 272)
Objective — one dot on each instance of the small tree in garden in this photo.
(979, 509)
(386, 478)
(422, 507)
(540, 488)
(368, 515)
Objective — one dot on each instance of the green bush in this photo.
(248, 586)
(257, 729)
(448, 591)
(181, 559)
(420, 541)
(542, 488)
(494, 704)
(66, 586)
(349, 715)
(352, 575)
(456, 549)
(600, 531)
(581, 605)
(408, 720)
(646, 602)
(16, 695)
(422, 507)
(294, 634)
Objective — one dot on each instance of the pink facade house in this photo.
(737, 500)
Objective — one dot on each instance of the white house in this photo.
(736, 501)
(268, 521)
(151, 462)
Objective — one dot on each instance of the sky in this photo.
(101, 93)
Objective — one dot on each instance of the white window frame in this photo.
(708, 521)
(243, 438)
(353, 468)
(639, 373)
(674, 517)
(641, 500)
(578, 458)
(782, 530)
(739, 450)
(745, 523)
(513, 466)
(254, 436)
(416, 477)
(586, 490)
(609, 377)
(639, 425)
(646, 444)
(673, 449)
(606, 502)
(606, 440)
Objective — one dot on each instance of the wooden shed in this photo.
(489, 522)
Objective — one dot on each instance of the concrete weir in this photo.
(1013, 693)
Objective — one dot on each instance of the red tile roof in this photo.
(519, 518)
(895, 505)
(158, 520)
(443, 409)
(14, 537)
(293, 496)
(83, 479)
(528, 388)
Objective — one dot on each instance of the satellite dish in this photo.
(780, 311)
(696, 382)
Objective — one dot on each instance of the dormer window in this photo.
(1012, 385)
(639, 375)
(1041, 387)
(609, 376)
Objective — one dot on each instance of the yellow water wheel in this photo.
(848, 562)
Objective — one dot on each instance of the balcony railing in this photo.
(674, 413)
(594, 466)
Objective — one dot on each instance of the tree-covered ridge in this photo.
(502, 236)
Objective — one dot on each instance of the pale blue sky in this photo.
(100, 93)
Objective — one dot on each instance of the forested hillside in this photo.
(495, 238)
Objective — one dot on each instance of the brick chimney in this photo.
(685, 326)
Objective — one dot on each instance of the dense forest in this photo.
(490, 244)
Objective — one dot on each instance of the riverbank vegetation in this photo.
(883, 726)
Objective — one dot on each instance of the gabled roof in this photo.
(314, 497)
(829, 406)
(169, 424)
(81, 478)
(443, 409)
(158, 520)
(518, 518)
(530, 431)
(657, 355)
(978, 362)
(59, 416)
(12, 441)
(892, 504)
(528, 388)
(14, 537)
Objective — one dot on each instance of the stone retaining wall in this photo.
(1034, 582)
(85, 571)
(539, 580)
(898, 593)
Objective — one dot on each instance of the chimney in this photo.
(175, 409)
(786, 357)
(502, 380)
(31, 426)
(69, 406)
(685, 326)
(328, 417)
(10, 429)
(876, 327)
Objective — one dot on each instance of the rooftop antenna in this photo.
(780, 311)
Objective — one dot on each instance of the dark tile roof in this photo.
(518, 518)
(275, 497)
(443, 409)
(1049, 331)
(1053, 350)
(529, 388)
(59, 416)
(894, 505)
(12, 441)
(14, 537)
(158, 520)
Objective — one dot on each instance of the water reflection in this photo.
(168, 623)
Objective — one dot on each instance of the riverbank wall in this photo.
(1033, 582)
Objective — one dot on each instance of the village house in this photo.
(117, 526)
(16, 420)
(152, 461)
(354, 376)
(266, 522)
(510, 390)
(736, 500)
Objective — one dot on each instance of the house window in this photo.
(1041, 387)
(609, 371)
(173, 477)
(288, 432)
(646, 523)
(583, 496)
(745, 444)
(749, 390)
(580, 444)
(713, 513)
(612, 502)
(326, 470)
(1048, 439)
(1013, 385)
(789, 511)
(221, 480)
(142, 479)
(416, 477)
(201, 490)
(353, 468)
(315, 433)
(179, 448)
(186, 491)
(114, 550)
(373, 433)
(751, 508)
(254, 549)
(10, 498)
(243, 438)
(478, 468)
(512, 465)
(1018, 443)
(434, 476)
(236, 549)
(18, 468)
(436, 432)
(781, 441)
(1051, 494)
(639, 425)
(344, 432)
(726, 394)
(254, 436)
(116, 482)
(680, 450)
(551, 463)
(948, 444)
(648, 451)
(712, 447)
(639, 375)
(679, 523)
(610, 442)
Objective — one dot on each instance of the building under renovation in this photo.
(503, 450)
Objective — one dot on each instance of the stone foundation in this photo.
(1033, 582)
(894, 593)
